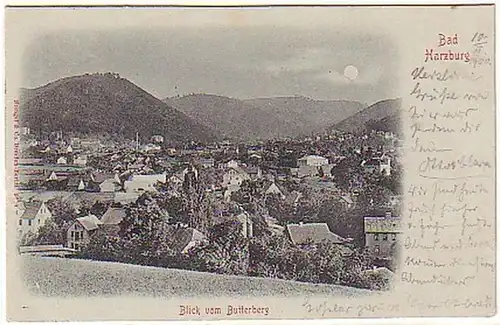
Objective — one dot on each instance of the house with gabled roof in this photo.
(79, 233)
(32, 215)
(82, 199)
(111, 220)
(312, 234)
(184, 238)
(234, 176)
(113, 216)
(49, 148)
(110, 185)
(62, 160)
(232, 164)
(273, 188)
(99, 177)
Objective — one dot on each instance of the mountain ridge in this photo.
(105, 103)
(265, 117)
(383, 115)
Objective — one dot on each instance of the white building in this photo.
(143, 183)
(234, 176)
(81, 160)
(312, 160)
(62, 161)
(274, 189)
(53, 176)
(232, 164)
(32, 215)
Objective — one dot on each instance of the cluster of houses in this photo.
(84, 171)
(381, 232)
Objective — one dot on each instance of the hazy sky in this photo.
(242, 62)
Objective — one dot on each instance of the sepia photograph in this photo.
(216, 157)
(228, 158)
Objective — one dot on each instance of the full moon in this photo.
(351, 72)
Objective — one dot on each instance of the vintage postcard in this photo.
(198, 163)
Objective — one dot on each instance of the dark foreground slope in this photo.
(71, 277)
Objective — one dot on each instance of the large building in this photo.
(312, 160)
(143, 183)
(382, 234)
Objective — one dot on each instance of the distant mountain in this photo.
(381, 116)
(106, 104)
(264, 118)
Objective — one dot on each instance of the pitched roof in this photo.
(382, 224)
(312, 157)
(274, 188)
(31, 209)
(90, 222)
(152, 178)
(385, 272)
(77, 198)
(101, 177)
(239, 170)
(312, 232)
(125, 198)
(113, 216)
(183, 237)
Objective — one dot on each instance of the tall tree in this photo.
(225, 252)
(145, 231)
